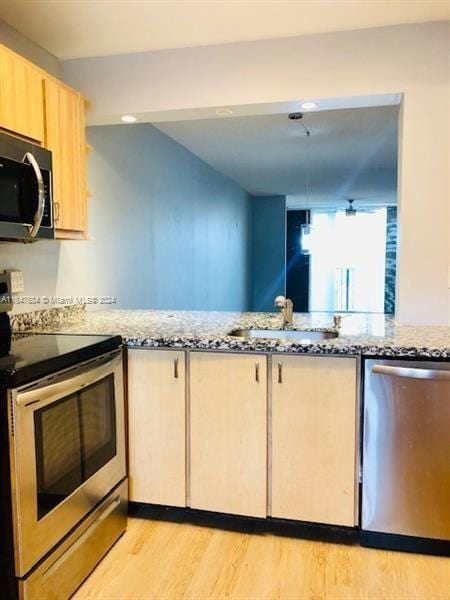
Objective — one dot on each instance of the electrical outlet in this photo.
(13, 278)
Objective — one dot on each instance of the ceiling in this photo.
(83, 28)
(352, 152)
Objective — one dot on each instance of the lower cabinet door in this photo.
(157, 426)
(314, 439)
(228, 433)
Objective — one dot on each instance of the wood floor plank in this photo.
(156, 560)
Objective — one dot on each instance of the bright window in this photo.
(347, 261)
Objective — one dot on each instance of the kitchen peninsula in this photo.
(229, 424)
(360, 335)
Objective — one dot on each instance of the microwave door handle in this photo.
(33, 229)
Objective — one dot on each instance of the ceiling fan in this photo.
(363, 205)
(351, 210)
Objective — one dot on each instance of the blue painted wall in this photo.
(181, 228)
(268, 242)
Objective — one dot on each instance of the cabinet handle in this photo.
(175, 368)
(280, 372)
(56, 211)
(257, 372)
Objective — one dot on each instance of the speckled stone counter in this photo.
(47, 318)
(361, 334)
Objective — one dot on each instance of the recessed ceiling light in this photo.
(128, 119)
(308, 105)
(224, 112)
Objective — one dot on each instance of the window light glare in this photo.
(128, 119)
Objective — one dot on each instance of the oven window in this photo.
(75, 437)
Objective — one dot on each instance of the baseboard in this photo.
(259, 526)
(404, 543)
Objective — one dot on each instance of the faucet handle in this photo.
(337, 321)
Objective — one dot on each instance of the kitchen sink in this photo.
(304, 336)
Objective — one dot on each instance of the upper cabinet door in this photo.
(21, 97)
(314, 415)
(65, 137)
(228, 433)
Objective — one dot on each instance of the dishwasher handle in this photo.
(412, 372)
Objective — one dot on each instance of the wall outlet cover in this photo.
(13, 278)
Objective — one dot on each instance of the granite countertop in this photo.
(361, 334)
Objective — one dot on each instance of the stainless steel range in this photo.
(67, 467)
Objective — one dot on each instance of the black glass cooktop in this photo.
(34, 356)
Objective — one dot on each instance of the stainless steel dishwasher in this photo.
(406, 456)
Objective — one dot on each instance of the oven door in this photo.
(67, 449)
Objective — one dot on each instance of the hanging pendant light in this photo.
(306, 239)
(307, 228)
(306, 231)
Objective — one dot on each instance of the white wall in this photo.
(410, 59)
(163, 224)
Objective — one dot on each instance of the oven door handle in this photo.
(74, 380)
(39, 214)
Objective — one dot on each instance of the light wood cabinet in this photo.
(157, 426)
(21, 96)
(35, 105)
(65, 137)
(314, 412)
(209, 450)
(228, 433)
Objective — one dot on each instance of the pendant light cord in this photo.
(308, 134)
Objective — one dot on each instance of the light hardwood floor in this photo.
(171, 561)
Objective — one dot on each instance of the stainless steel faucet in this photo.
(286, 307)
(337, 322)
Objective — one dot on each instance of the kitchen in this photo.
(221, 444)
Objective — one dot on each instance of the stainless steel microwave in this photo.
(26, 205)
